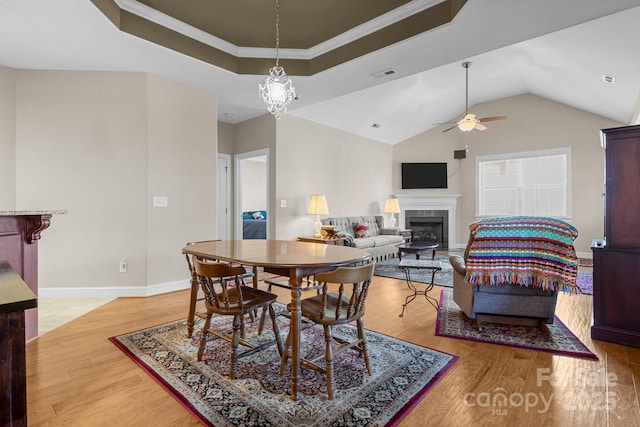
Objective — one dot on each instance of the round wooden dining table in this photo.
(293, 259)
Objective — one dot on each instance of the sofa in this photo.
(368, 233)
(513, 269)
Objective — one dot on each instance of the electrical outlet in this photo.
(123, 265)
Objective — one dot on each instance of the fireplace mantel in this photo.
(443, 202)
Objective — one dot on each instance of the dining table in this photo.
(293, 259)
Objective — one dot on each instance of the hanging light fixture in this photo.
(277, 91)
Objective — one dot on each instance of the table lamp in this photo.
(392, 206)
(317, 207)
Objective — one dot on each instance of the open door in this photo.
(251, 195)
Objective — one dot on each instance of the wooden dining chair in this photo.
(226, 294)
(341, 300)
(193, 296)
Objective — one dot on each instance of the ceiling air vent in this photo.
(608, 79)
(384, 73)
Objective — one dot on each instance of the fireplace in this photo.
(429, 215)
(429, 226)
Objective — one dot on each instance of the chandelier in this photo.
(277, 91)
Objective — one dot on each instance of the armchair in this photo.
(513, 269)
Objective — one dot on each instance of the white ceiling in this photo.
(557, 49)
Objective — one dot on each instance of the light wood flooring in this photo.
(53, 312)
(76, 377)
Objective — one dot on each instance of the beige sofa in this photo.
(381, 243)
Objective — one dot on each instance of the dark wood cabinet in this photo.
(15, 299)
(616, 264)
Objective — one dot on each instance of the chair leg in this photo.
(363, 344)
(242, 327)
(192, 307)
(234, 346)
(276, 329)
(328, 356)
(203, 338)
(263, 316)
(285, 353)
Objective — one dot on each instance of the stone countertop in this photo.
(34, 212)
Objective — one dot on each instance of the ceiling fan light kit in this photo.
(469, 122)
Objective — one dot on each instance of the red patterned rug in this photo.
(585, 283)
(453, 323)
(402, 374)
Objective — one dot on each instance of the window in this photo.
(527, 183)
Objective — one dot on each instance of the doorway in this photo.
(251, 179)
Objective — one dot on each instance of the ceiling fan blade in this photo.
(448, 129)
(478, 126)
(492, 119)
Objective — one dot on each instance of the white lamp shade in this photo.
(392, 206)
(318, 205)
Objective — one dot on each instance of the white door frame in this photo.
(227, 202)
(237, 172)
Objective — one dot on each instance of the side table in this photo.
(331, 241)
(406, 234)
(406, 265)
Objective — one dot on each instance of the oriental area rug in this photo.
(453, 323)
(402, 374)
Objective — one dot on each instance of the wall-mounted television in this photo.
(424, 175)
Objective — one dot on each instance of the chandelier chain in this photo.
(277, 91)
(277, 31)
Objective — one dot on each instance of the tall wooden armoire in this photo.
(616, 260)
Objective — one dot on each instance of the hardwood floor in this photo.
(76, 377)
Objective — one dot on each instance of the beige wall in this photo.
(353, 172)
(226, 135)
(183, 165)
(7, 140)
(254, 190)
(100, 145)
(533, 123)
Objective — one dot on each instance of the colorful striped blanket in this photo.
(524, 250)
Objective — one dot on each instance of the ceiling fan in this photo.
(469, 121)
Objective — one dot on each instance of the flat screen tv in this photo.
(424, 175)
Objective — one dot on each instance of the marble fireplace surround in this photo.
(430, 202)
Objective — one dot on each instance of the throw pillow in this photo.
(362, 230)
(257, 215)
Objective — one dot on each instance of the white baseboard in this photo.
(113, 292)
(588, 255)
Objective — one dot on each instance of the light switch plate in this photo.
(160, 201)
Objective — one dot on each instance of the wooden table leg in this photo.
(255, 277)
(295, 281)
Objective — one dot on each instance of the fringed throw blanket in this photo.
(529, 251)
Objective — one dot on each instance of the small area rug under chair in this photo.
(402, 374)
(453, 323)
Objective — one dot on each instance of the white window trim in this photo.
(524, 154)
